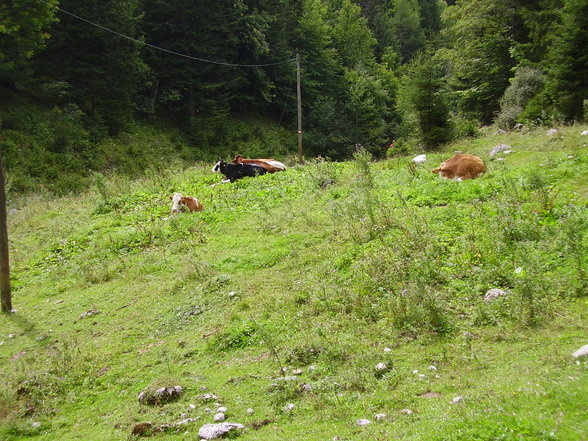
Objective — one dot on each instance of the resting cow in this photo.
(237, 171)
(460, 167)
(271, 165)
(179, 201)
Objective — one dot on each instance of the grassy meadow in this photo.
(346, 289)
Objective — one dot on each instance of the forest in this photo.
(420, 73)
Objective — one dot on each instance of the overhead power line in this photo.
(291, 60)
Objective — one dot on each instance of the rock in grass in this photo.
(219, 417)
(552, 132)
(493, 294)
(582, 352)
(419, 159)
(363, 422)
(380, 416)
(499, 148)
(160, 396)
(214, 431)
(457, 400)
(89, 313)
(207, 397)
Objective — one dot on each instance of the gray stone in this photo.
(582, 352)
(214, 431)
(499, 148)
(219, 417)
(493, 294)
(420, 159)
(380, 416)
(552, 132)
(363, 422)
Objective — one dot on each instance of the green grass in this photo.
(279, 272)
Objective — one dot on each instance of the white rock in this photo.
(219, 417)
(232, 294)
(456, 400)
(415, 371)
(387, 350)
(582, 352)
(11, 336)
(406, 411)
(312, 367)
(552, 132)
(207, 397)
(249, 411)
(432, 368)
(422, 376)
(381, 366)
(499, 148)
(380, 416)
(499, 132)
(493, 294)
(192, 406)
(420, 159)
(306, 387)
(288, 407)
(297, 372)
(36, 425)
(585, 132)
(214, 431)
(221, 410)
(363, 422)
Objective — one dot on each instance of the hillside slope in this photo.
(345, 289)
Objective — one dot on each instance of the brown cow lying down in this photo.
(179, 201)
(460, 167)
(271, 165)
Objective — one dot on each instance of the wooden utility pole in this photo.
(5, 293)
(299, 99)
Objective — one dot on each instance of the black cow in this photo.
(237, 171)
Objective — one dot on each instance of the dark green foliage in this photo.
(567, 61)
(409, 34)
(479, 39)
(424, 100)
(24, 26)
(103, 70)
(525, 85)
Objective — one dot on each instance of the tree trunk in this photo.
(4, 262)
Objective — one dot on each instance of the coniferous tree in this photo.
(424, 100)
(103, 70)
(409, 35)
(567, 61)
(479, 35)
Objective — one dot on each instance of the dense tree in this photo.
(24, 26)
(351, 35)
(567, 61)
(409, 34)
(479, 35)
(102, 71)
(226, 32)
(424, 100)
